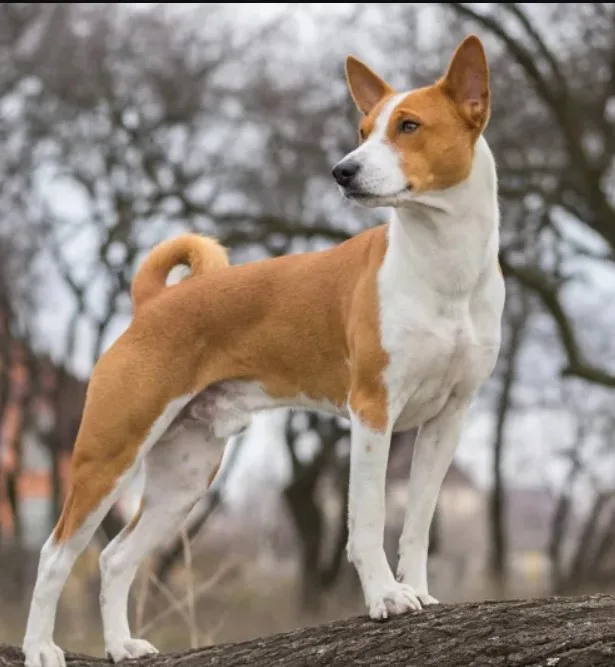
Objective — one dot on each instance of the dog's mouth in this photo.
(358, 194)
(363, 195)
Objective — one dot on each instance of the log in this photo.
(550, 632)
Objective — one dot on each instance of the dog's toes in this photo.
(130, 648)
(46, 654)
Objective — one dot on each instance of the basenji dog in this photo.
(396, 328)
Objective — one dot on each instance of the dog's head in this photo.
(415, 142)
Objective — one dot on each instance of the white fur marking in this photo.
(441, 297)
(366, 510)
(381, 174)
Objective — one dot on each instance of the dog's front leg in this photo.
(433, 453)
(369, 454)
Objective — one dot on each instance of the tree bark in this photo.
(562, 632)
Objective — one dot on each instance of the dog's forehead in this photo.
(378, 117)
(422, 102)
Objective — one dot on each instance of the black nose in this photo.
(345, 171)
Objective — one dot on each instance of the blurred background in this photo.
(122, 124)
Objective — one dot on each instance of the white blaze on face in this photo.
(380, 172)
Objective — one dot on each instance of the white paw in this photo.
(394, 600)
(129, 648)
(43, 654)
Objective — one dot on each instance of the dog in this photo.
(396, 328)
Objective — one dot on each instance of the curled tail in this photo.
(199, 253)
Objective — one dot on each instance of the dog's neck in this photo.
(446, 239)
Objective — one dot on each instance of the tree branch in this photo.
(548, 295)
(518, 13)
(521, 55)
(563, 105)
(562, 632)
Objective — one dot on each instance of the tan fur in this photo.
(199, 253)
(239, 322)
(439, 153)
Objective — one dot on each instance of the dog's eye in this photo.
(408, 126)
(362, 134)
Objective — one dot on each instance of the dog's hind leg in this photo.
(57, 558)
(178, 471)
(108, 451)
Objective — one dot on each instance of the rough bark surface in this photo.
(553, 632)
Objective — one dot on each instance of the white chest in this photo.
(427, 364)
(437, 343)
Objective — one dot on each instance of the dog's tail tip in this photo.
(200, 253)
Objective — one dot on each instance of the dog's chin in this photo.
(373, 200)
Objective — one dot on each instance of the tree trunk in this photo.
(562, 632)
(306, 512)
(330, 572)
(497, 506)
(13, 498)
(308, 521)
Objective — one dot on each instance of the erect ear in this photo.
(366, 87)
(467, 81)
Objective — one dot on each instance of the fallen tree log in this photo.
(552, 632)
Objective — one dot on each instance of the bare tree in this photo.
(558, 176)
(516, 318)
(121, 126)
(304, 500)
